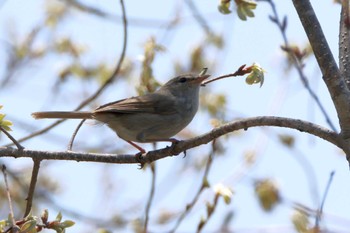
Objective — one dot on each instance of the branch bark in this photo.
(344, 42)
(181, 146)
(331, 74)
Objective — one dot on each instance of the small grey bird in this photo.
(148, 118)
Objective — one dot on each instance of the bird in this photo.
(148, 118)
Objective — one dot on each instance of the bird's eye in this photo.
(182, 80)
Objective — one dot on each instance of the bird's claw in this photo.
(139, 159)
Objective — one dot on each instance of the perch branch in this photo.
(181, 146)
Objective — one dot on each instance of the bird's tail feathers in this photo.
(63, 115)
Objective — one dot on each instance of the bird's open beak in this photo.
(200, 79)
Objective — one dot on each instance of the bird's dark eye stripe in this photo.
(182, 80)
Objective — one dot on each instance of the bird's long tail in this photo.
(63, 115)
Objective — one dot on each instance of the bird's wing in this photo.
(151, 103)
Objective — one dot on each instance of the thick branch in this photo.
(181, 146)
(331, 74)
(344, 42)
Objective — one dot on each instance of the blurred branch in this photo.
(21, 53)
(200, 19)
(102, 88)
(282, 26)
(204, 185)
(32, 185)
(180, 146)
(320, 211)
(150, 198)
(310, 174)
(131, 21)
(13, 228)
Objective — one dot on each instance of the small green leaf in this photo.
(224, 7)
(3, 224)
(66, 223)
(58, 217)
(241, 13)
(245, 9)
(29, 227)
(5, 124)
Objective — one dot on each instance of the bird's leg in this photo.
(138, 155)
(142, 151)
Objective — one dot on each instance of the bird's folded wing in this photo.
(151, 103)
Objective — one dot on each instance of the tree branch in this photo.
(331, 74)
(181, 146)
(344, 42)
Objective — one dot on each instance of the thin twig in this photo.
(281, 24)
(150, 198)
(242, 70)
(319, 213)
(210, 214)
(33, 181)
(13, 227)
(19, 146)
(309, 173)
(204, 185)
(71, 141)
(102, 88)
